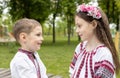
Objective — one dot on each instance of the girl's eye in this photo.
(78, 26)
(38, 34)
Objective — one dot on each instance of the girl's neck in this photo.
(92, 44)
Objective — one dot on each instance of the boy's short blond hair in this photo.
(24, 25)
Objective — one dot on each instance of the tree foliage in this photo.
(3, 5)
(41, 9)
(36, 9)
(112, 10)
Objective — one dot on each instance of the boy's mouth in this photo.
(39, 43)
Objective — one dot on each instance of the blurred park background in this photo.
(57, 20)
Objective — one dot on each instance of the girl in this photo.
(26, 63)
(95, 56)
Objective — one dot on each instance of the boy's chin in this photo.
(38, 49)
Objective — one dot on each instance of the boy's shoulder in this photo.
(19, 58)
(20, 55)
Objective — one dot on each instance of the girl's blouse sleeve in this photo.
(104, 66)
(73, 62)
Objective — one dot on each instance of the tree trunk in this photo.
(54, 28)
(108, 6)
(69, 27)
(113, 8)
(54, 16)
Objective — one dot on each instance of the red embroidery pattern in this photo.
(87, 60)
(32, 57)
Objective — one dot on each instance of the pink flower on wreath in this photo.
(91, 10)
(83, 8)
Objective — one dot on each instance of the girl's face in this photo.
(84, 29)
(34, 39)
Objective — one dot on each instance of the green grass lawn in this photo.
(56, 57)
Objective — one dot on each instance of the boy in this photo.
(26, 63)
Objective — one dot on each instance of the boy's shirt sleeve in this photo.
(20, 68)
(25, 71)
(42, 66)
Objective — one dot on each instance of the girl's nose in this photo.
(77, 30)
(41, 38)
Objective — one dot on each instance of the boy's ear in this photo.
(22, 36)
(94, 23)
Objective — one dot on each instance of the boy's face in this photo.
(34, 40)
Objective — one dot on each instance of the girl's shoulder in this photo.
(103, 50)
(80, 47)
(103, 53)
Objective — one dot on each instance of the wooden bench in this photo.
(5, 73)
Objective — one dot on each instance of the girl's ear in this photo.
(94, 23)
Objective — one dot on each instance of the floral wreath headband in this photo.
(90, 10)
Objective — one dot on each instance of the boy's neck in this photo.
(26, 49)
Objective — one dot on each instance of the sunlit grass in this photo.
(56, 57)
